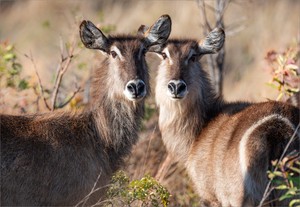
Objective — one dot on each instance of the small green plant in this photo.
(285, 178)
(144, 192)
(10, 68)
(285, 71)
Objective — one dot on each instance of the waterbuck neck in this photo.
(181, 121)
(117, 124)
(117, 119)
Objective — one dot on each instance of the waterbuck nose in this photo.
(135, 89)
(177, 88)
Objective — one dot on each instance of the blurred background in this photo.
(39, 38)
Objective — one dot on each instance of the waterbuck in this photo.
(226, 148)
(55, 158)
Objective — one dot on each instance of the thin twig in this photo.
(61, 71)
(85, 199)
(37, 99)
(201, 4)
(267, 191)
(39, 80)
(163, 169)
(78, 89)
(147, 152)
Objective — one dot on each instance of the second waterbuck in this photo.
(227, 148)
(54, 159)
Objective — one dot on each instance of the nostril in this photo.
(181, 87)
(140, 87)
(172, 87)
(131, 88)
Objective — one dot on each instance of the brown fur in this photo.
(54, 159)
(206, 133)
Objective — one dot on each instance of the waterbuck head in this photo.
(180, 74)
(124, 70)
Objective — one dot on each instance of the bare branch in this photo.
(93, 190)
(62, 68)
(30, 57)
(37, 99)
(163, 169)
(215, 63)
(201, 5)
(78, 89)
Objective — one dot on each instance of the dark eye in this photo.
(164, 55)
(144, 51)
(193, 58)
(113, 54)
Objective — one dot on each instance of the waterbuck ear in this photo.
(92, 37)
(142, 30)
(213, 42)
(158, 33)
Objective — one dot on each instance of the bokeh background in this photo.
(42, 31)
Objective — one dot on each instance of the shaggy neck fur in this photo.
(181, 121)
(116, 119)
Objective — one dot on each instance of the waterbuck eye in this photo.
(193, 58)
(113, 54)
(164, 55)
(144, 51)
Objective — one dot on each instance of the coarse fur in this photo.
(54, 159)
(227, 148)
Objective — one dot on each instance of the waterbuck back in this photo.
(55, 159)
(227, 148)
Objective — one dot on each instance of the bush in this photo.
(285, 71)
(285, 178)
(10, 68)
(144, 192)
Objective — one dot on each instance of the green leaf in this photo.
(285, 196)
(272, 85)
(279, 96)
(282, 187)
(46, 24)
(23, 84)
(9, 48)
(9, 56)
(294, 202)
(292, 67)
(82, 65)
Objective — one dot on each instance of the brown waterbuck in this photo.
(226, 148)
(56, 158)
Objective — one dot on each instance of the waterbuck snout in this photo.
(135, 89)
(177, 89)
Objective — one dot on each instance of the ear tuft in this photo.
(92, 37)
(213, 42)
(142, 30)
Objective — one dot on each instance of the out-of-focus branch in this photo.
(62, 68)
(215, 63)
(201, 5)
(30, 57)
(78, 89)
(163, 169)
